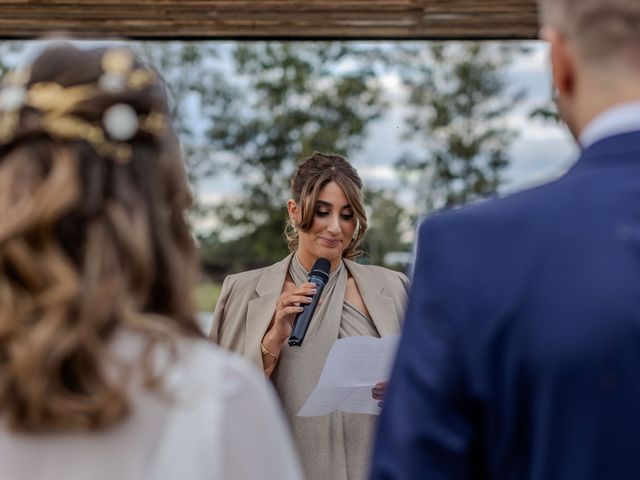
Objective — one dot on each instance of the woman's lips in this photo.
(329, 242)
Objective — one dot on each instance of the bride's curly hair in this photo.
(88, 246)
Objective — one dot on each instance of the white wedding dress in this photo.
(221, 421)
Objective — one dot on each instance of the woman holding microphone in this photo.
(256, 310)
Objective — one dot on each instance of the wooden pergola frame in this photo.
(271, 19)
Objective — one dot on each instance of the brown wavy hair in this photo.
(88, 247)
(311, 176)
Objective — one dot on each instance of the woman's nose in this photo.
(334, 225)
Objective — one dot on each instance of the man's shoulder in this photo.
(497, 234)
(498, 215)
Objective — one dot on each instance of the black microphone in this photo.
(319, 275)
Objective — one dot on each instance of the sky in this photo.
(542, 151)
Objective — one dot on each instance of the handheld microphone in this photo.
(319, 275)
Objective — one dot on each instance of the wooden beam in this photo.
(240, 19)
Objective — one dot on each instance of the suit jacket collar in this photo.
(621, 118)
(363, 278)
(622, 149)
(273, 277)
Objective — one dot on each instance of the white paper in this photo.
(353, 367)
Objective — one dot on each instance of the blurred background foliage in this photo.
(252, 111)
(248, 112)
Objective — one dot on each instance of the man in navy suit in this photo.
(520, 357)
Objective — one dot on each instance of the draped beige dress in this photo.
(335, 446)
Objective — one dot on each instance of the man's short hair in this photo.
(601, 29)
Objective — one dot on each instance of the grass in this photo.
(206, 295)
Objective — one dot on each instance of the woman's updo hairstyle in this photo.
(310, 178)
(93, 236)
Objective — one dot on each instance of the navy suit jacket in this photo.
(520, 357)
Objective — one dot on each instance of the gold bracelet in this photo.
(267, 352)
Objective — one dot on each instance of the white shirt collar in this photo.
(619, 119)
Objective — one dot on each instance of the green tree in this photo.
(547, 111)
(458, 103)
(388, 222)
(291, 99)
(200, 93)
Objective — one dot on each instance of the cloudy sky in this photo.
(542, 151)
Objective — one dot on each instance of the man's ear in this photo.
(294, 211)
(563, 61)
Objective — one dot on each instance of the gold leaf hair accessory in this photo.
(117, 64)
(58, 100)
(119, 123)
(12, 98)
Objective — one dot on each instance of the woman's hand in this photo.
(289, 304)
(378, 391)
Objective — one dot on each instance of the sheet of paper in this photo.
(353, 367)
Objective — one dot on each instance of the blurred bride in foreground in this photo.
(103, 371)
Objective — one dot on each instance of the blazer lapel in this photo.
(260, 310)
(380, 306)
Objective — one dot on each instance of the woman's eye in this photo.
(321, 213)
(347, 216)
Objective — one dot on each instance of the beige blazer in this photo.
(248, 300)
